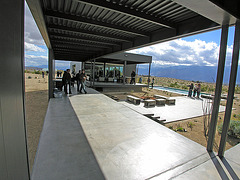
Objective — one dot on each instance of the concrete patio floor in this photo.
(90, 136)
(184, 108)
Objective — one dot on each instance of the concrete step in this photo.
(148, 115)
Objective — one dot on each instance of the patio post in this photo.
(104, 69)
(94, 72)
(231, 89)
(51, 73)
(149, 72)
(218, 88)
(124, 72)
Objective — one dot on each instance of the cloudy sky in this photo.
(200, 50)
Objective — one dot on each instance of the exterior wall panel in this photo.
(13, 146)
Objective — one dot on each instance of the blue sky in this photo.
(197, 50)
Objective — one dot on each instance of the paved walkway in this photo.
(184, 108)
(90, 136)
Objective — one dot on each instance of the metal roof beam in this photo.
(63, 42)
(95, 23)
(94, 34)
(83, 39)
(79, 47)
(130, 12)
(70, 51)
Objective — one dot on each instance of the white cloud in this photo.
(32, 47)
(31, 33)
(181, 52)
(33, 60)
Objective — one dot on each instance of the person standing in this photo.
(133, 74)
(78, 80)
(153, 82)
(42, 74)
(190, 90)
(67, 81)
(82, 81)
(194, 90)
(198, 90)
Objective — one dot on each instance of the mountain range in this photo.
(191, 73)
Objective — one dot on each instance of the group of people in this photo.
(59, 73)
(194, 89)
(80, 77)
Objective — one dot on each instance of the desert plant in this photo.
(233, 130)
(180, 129)
(190, 125)
(184, 87)
(170, 127)
(36, 72)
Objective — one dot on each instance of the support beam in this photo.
(51, 71)
(78, 46)
(124, 72)
(76, 38)
(94, 72)
(68, 44)
(91, 33)
(96, 23)
(129, 12)
(149, 73)
(218, 89)
(104, 71)
(13, 138)
(231, 89)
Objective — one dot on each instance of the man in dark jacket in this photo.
(133, 74)
(190, 90)
(67, 81)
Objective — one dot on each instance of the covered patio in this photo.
(121, 147)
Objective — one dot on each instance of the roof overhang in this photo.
(130, 58)
(81, 30)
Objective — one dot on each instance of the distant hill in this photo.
(195, 73)
(33, 68)
(45, 66)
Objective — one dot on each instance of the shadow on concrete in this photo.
(221, 165)
(229, 169)
(218, 166)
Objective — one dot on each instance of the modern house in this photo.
(111, 143)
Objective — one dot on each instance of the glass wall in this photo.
(105, 72)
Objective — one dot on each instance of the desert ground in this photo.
(36, 102)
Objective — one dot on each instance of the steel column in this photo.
(149, 72)
(13, 138)
(218, 89)
(51, 74)
(94, 72)
(231, 89)
(104, 70)
(124, 72)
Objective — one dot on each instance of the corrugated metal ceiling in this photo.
(106, 26)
